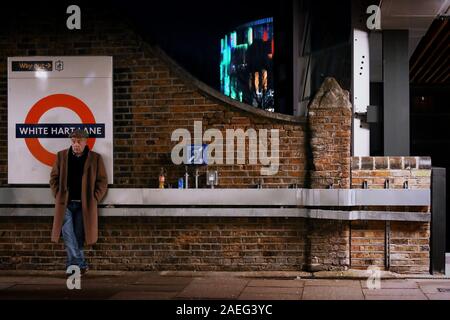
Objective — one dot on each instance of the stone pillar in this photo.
(329, 122)
(327, 244)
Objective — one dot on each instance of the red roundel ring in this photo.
(48, 103)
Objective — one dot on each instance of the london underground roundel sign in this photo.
(48, 98)
(46, 104)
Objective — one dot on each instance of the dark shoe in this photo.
(69, 272)
(84, 270)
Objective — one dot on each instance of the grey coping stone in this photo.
(367, 163)
(332, 293)
(355, 163)
(277, 283)
(381, 163)
(395, 163)
(424, 163)
(394, 284)
(410, 163)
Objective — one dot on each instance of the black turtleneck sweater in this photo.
(75, 173)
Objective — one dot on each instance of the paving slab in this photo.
(431, 281)
(160, 288)
(25, 291)
(16, 279)
(266, 296)
(220, 285)
(394, 284)
(44, 281)
(333, 283)
(213, 288)
(158, 280)
(438, 296)
(276, 283)
(36, 287)
(332, 293)
(394, 292)
(6, 285)
(433, 286)
(273, 290)
(391, 297)
(116, 287)
(143, 295)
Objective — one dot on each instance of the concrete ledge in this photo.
(234, 197)
(235, 212)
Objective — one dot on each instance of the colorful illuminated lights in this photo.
(246, 64)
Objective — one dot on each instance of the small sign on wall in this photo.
(197, 154)
(49, 97)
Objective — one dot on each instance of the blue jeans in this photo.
(73, 234)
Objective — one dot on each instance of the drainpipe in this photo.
(387, 241)
(387, 236)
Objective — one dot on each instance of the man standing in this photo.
(78, 182)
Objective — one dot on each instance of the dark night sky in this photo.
(190, 31)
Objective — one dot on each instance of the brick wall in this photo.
(416, 171)
(408, 242)
(167, 243)
(152, 97)
(328, 245)
(367, 244)
(164, 243)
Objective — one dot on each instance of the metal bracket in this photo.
(362, 116)
(370, 116)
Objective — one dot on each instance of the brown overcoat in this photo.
(94, 185)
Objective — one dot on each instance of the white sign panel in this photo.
(49, 97)
(361, 92)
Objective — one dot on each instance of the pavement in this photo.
(172, 285)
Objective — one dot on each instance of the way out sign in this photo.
(49, 97)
